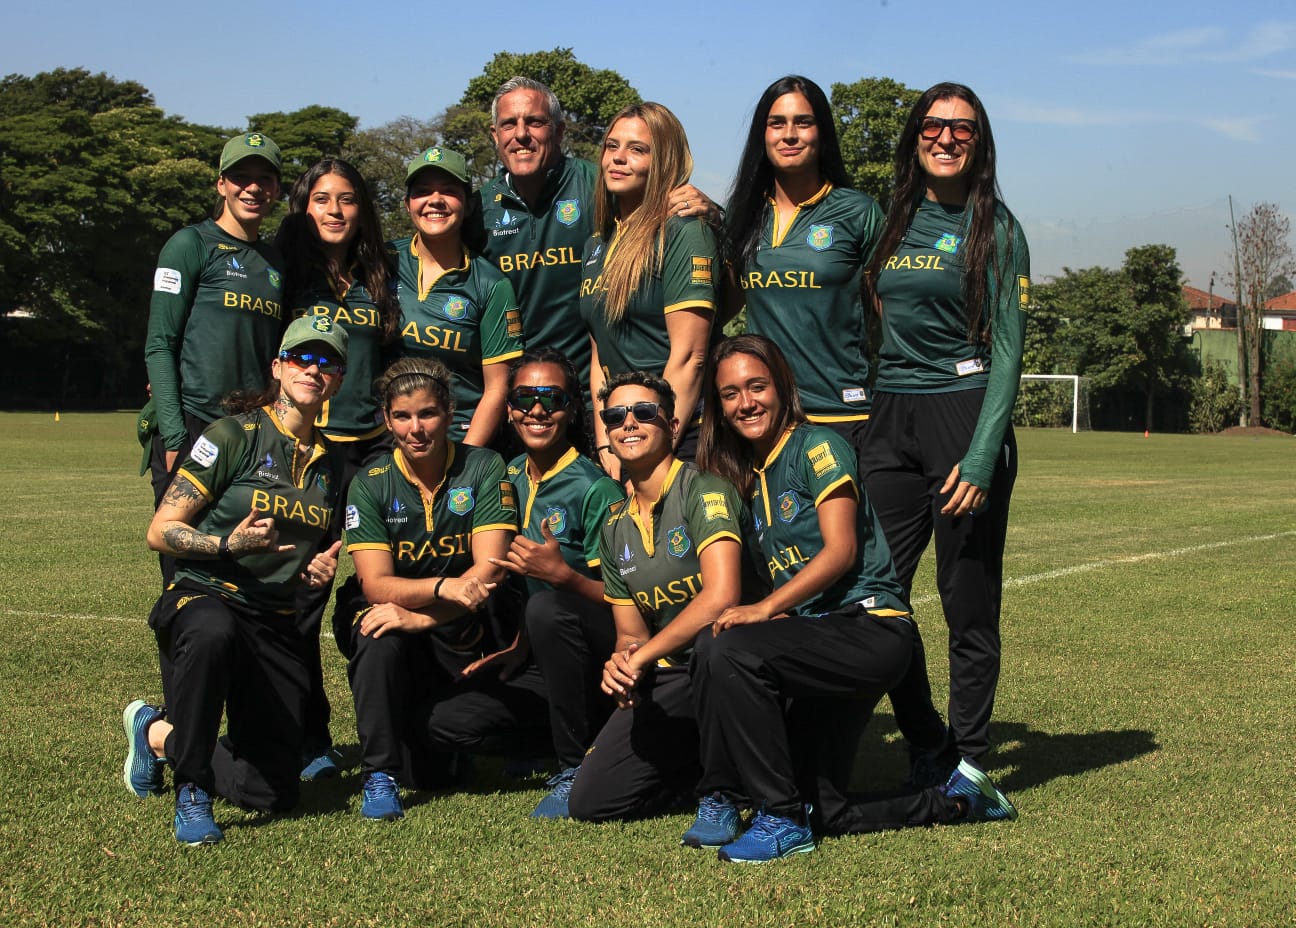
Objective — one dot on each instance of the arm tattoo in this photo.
(183, 493)
(187, 540)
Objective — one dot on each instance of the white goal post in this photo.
(1075, 393)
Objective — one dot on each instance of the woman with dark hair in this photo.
(426, 526)
(796, 241)
(215, 316)
(457, 307)
(673, 555)
(833, 635)
(563, 498)
(245, 519)
(336, 267)
(648, 294)
(951, 279)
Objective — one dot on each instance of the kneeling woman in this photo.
(247, 513)
(834, 635)
(671, 563)
(423, 525)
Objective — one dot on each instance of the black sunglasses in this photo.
(523, 399)
(613, 416)
(963, 130)
(305, 359)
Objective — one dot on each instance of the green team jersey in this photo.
(467, 318)
(538, 248)
(215, 319)
(808, 463)
(651, 558)
(925, 346)
(429, 536)
(573, 498)
(353, 412)
(802, 291)
(247, 462)
(686, 281)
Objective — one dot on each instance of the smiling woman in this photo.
(457, 307)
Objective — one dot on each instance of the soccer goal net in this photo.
(1052, 401)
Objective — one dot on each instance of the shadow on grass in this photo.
(1024, 757)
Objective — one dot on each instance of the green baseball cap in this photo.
(442, 159)
(306, 329)
(250, 145)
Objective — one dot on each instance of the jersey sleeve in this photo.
(689, 267)
(871, 222)
(1009, 297)
(496, 506)
(600, 496)
(363, 521)
(216, 458)
(714, 511)
(827, 463)
(501, 323)
(175, 284)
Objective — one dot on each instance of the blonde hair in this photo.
(640, 238)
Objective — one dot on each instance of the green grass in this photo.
(1143, 728)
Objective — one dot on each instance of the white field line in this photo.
(1009, 582)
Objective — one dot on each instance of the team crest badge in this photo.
(678, 542)
(322, 324)
(567, 212)
(322, 481)
(820, 237)
(556, 516)
(456, 307)
(948, 243)
(460, 500)
(255, 140)
(788, 507)
(433, 155)
(275, 277)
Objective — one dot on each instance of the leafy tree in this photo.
(1279, 286)
(870, 115)
(381, 155)
(1279, 396)
(95, 178)
(1264, 252)
(590, 98)
(1215, 402)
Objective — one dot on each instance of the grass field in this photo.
(1143, 728)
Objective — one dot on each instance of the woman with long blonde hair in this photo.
(648, 291)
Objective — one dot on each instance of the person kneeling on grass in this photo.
(833, 636)
(433, 669)
(245, 517)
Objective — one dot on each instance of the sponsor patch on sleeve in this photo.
(166, 280)
(715, 507)
(822, 459)
(204, 451)
(352, 521)
(507, 499)
(701, 270)
(513, 323)
(1023, 284)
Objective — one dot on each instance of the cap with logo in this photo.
(443, 159)
(250, 145)
(306, 329)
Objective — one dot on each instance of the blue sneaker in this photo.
(769, 838)
(194, 824)
(560, 786)
(985, 802)
(717, 823)
(143, 769)
(381, 798)
(320, 767)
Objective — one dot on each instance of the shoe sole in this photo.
(128, 725)
(205, 842)
(799, 849)
(701, 845)
(985, 786)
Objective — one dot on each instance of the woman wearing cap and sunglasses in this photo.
(215, 316)
(332, 244)
(457, 307)
(648, 291)
(672, 563)
(245, 518)
(563, 498)
(950, 278)
(433, 671)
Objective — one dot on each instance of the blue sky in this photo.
(1118, 123)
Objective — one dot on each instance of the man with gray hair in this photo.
(537, 214)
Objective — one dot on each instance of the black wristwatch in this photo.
(223, 550)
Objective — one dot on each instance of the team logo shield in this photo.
(948, 243)
(456, 307)
(556, 516)
(460, 500)
(820, 237)
(567, 212)
(788, 506)
(678, 541)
